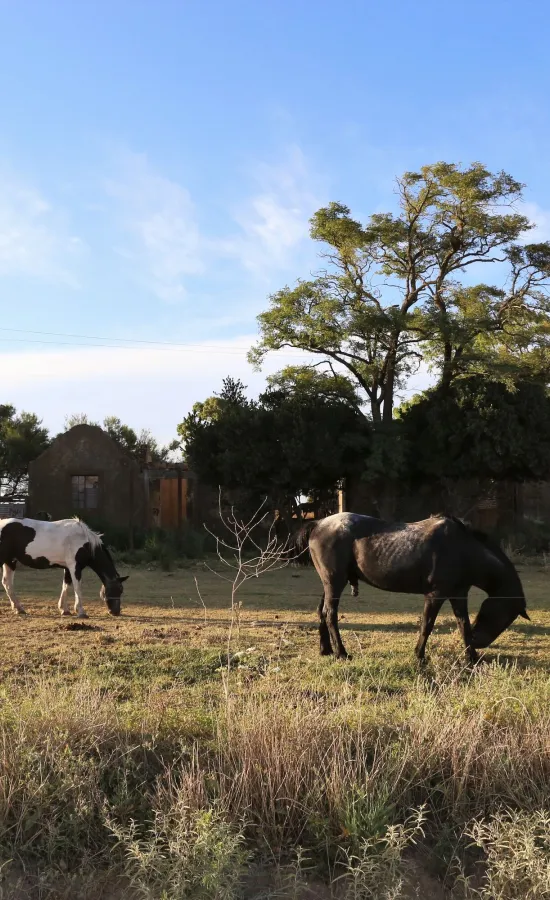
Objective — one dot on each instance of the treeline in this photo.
(299, 441)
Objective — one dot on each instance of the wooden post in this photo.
(131, 526)
(342, 498)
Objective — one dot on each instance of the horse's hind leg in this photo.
(460, 609)
(330, 610)
(324, 637)
(432, 605)
(8, 575)
(63, 599)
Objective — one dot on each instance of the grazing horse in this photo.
(67, 544)
(439, 557)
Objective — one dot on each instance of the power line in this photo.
(95, 337)
(92, 337)
(182, 349)
(170, 346)
(174, 348)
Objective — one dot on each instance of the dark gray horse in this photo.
(439, 557)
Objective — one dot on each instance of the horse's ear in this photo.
(123, 577)
(524, 615)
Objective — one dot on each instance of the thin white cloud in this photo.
(34, 241)
(165, 246)
(107, 362)
(274, 221)
(147, 387)
(158, 217)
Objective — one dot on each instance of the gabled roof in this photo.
(88, 432)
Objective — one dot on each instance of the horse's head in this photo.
(496, 614)
(506, 600)
(111, 593)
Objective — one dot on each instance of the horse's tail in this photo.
(298, 549)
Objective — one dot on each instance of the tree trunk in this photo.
(389, 384)
(375, 409)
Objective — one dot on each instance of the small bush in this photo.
(377, 871)
(529, 538)
(517, 852)
(160, 546)
(188, 852)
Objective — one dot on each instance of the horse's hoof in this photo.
(66, 612)
(83, 616)
(20, 611)
(324, 651)
(343, 656)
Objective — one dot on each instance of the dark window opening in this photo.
(85, 490)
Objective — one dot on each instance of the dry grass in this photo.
(136, 762)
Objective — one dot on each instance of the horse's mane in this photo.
(93, 538)
(109, 556)
(487, 541)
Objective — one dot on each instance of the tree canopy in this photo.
(400, 289)
(478, 428)
(288, 443)
(22, 439)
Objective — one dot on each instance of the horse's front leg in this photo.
(432, 605)
(78, 596)
(460, 609)
(8, 576)
(64, 599)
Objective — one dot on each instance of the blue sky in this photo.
(159, 163)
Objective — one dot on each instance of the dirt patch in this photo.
(80, 626)
(266, 884)
(51, 885)
(167, 635)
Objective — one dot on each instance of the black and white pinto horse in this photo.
(441, 558)
(67, 544)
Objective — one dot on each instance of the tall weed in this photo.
(517, 852)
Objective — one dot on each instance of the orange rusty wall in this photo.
(186, 510)
(169, 502)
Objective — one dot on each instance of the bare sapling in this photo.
(243, 557)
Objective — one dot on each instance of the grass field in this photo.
(138, 759)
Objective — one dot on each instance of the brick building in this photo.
(85, 472)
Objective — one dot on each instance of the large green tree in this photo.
(22, 439)
(401, 288)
